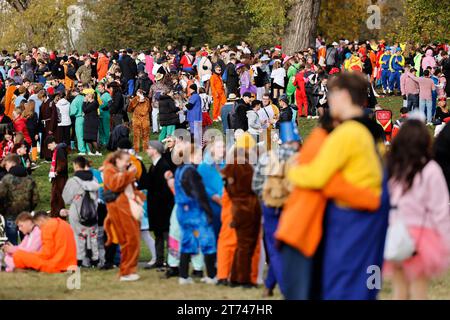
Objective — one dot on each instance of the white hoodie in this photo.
(62, 107)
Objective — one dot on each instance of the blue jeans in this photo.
(11, 231)
(426, 106)
(434, 101)
(130, 87)
(296, 275)
(394, 80)
(385, 75)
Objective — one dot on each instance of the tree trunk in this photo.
(302, 28)
(19, 5)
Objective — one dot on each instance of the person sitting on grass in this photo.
(58, 252)
(31, 242)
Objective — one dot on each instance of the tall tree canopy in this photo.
(142, 23)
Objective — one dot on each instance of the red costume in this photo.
(300, 93)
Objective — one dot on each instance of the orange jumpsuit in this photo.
(227, 244)
(218, 95)
(120, 223)
(102, 67)
(58, 252)
(9, 104)
(141, 122)
(301, 220)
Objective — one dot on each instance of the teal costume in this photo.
(76, 110)
(104, 128)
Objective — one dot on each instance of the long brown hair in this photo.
(29, 109)
(411, 150)
(112, 157)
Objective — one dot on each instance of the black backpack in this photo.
(88, 211)
(232, 117)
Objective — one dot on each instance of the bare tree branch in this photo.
(19, 5)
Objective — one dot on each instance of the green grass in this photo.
(105, 285)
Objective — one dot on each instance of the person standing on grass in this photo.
(160, 200)
(217, 93)
(81, 185)
(426, 87)
(413, 174)
(124, 204)
(76, 111)
(91, 121)
(105, 117)
(140, 107)
(58, 175)
(168, 115)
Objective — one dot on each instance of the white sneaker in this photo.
(151, 262)
(429, 123)
(82, 153)
(130, 277)
(98, 154)
(207, 280)
(183, 281)
(309, 117)
(219, 118)
(91, 154)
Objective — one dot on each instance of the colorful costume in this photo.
(300, 94)
(120, 223)
(30, 243)
(361, 234)
(141, 122)
(385, 69)
(218, 94)
(197, 231)
(58, 252)
(105, 119)
(396, 64)
(76, 110)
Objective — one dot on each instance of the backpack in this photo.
(384, 119)
(88, 211)
(232, 117)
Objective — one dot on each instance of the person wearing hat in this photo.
(396, 67)
(286, 111)
(226, 112)
(270, 186)
(204, 70)
(245, 208)
(385, 71)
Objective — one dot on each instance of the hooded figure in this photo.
(428, 60)
(81, 185)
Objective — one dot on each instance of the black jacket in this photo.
(91, 120)
(167, 111)
(128, 67)
(143, 83)
(232, 81)
(240, 120)
(117, 103)
(442, 152)
(159, 211)
(286, 114)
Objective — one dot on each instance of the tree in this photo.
(301, 30)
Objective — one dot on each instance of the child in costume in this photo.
(245, 208)
(413, 174)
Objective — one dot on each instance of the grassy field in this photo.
(105, 285)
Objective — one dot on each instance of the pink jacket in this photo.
(426, 204)
(426, 86)
(428, 60)
(31, 243)
(149, 62)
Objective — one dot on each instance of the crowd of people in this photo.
(318, 213)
